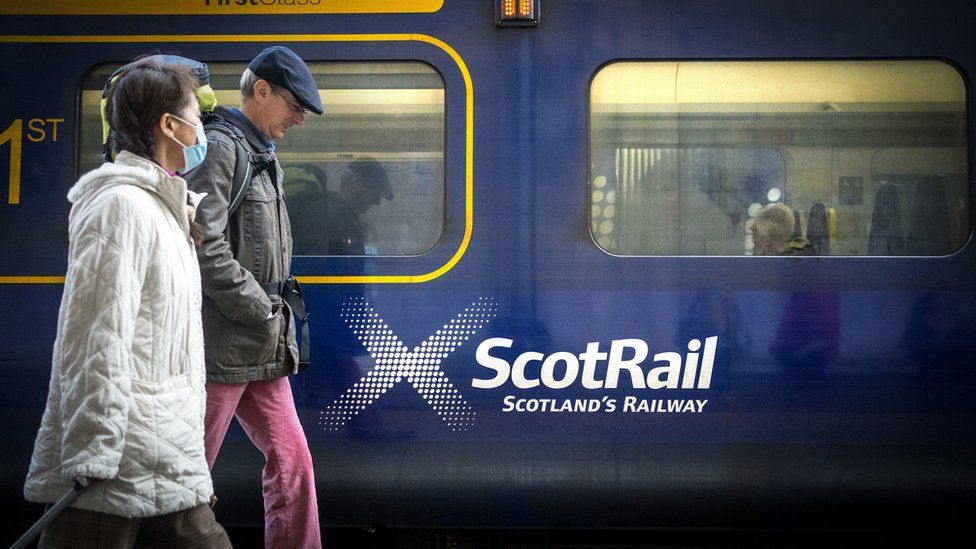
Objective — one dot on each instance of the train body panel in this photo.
(519, 371)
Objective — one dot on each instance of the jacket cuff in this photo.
(260, 309)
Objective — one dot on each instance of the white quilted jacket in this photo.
(126, 399)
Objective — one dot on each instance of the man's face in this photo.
(283, 112)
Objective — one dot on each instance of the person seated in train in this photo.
(125, 408)
(333, 223)
(773, 232)
(807, 337)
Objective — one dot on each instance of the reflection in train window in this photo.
(869, 155)
(366, 177)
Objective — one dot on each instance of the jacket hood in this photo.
(129, 169)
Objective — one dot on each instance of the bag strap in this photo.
(291, 293)
(247, 165)
(243, 173)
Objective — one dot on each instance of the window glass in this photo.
(868, 156)
(365, 178)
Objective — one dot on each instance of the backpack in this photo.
(205, 94)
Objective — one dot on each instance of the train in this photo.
(559, 318)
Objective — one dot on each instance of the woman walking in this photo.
(126, 401)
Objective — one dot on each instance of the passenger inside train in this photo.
(332, 221)
(774, 232)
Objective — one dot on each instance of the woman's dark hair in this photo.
(139, 97)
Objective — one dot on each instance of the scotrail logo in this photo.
(598, 375)
(421, 366)
(601, 373)
(600, 370)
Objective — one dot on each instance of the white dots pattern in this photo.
(421, 366)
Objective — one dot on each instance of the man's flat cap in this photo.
(282, 67)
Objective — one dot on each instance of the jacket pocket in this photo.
(258, 208)
(163, 423)
(255, 344)
(179, 430)
(174, 383)
(260, 226)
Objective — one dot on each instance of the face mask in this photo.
(192, 156)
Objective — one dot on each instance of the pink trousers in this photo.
(266, 411)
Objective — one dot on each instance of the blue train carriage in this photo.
(551, 313)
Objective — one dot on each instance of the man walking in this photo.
(245, 263)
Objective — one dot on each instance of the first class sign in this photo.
(214, 7)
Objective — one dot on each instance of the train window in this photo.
(365, 178)
(870, 156)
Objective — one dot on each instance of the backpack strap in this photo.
(243, 173)
(246, 164)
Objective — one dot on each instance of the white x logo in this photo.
(421, 366)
